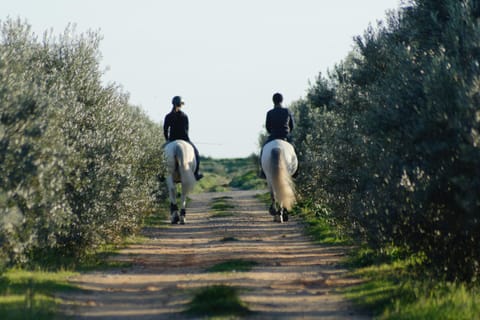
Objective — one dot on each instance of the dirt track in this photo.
(293, 278)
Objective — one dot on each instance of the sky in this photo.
(226, 58)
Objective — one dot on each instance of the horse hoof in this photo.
(277, 218)
(175, 218)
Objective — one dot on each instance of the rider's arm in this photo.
(166, 127)
(268, 123)
(186, 125)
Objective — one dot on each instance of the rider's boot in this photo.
(198, 176)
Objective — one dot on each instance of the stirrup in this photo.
(198, 176)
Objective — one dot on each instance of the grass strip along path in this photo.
(261, 269)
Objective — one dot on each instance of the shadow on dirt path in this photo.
(292, 279)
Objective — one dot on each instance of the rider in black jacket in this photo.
(175, 127)
(279, 123)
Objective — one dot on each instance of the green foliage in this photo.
(218, 300)
(248, 180)
(211, 182)
(78, 163)
(389, 142)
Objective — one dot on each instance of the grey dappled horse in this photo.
(279, 163)
(180, 160)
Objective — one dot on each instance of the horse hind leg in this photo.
(284, 213)
(275, 210)
(183, 211)
(281, 216)
(174, 218)
(172, 191)
(278, 217)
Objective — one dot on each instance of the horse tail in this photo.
(186, 171)
(282, 184)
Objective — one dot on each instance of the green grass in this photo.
(217, 301)
(228, 239)
(157, 218)
(264, 197)
(221, 207)
(212, 182)
(396, 289)
(30, 294)
(320, 228)
(316, 225)
(233, 266)
(222, 214)
(221, 204)
(248, 180)
(103, 260)
(394, 285)
(445, 301)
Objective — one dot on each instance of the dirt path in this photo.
(293, 278)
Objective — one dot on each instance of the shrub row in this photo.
(389, 141)
(78, 163)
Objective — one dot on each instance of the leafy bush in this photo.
(78, 163)
(395, 149)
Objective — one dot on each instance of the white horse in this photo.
(279, 163)
(180, 160)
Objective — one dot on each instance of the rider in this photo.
(175, 127)
(279, 123)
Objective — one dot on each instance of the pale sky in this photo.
(226, 58)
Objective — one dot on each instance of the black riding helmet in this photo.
(277, 98)
(177, 101)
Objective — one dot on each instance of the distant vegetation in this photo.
(227, 174)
